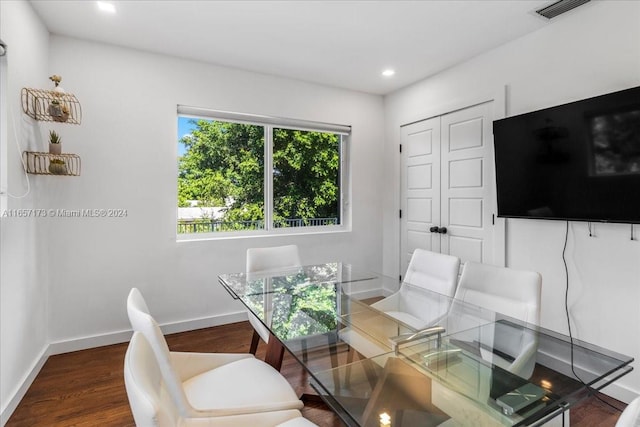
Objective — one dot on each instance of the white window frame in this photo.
(269, 123)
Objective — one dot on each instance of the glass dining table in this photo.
(384, 353)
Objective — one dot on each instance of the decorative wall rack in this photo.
(52, 164)
(51, 106)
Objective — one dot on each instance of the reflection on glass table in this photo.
(459, 365)
(305, 308)
(455, 380)
(283, 280)
(299, 312)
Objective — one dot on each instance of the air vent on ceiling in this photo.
(560, 7)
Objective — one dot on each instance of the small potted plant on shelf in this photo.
(58, 110)
(57, 166)
(55, 143)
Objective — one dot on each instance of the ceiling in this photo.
(344, 43)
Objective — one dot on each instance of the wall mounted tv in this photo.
(578, 161)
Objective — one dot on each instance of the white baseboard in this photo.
(620, 392)
(615, 390)
(372, 293)
(18, 394)
(124, 336)
(84, 343)
(205, 322)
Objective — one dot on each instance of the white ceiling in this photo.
(338, 43)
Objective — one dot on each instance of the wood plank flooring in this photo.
(86, 388)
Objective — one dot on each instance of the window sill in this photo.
(198, 237)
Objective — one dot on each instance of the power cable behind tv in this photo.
(592, 391)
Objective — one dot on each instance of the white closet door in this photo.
(447, 181)
(467, 184)
(420, 188)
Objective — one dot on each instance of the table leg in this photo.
(255, 340)
(275, 353)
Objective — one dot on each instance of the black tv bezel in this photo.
(567, 104)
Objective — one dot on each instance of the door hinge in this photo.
(401, 148)
(401, 277)
(493, 219)
(400, 213)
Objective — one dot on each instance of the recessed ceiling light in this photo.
(388, 73)
(106, 7)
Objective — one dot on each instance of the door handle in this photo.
(441, 230)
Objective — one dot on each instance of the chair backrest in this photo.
(515, 293)
(434, 271)
(148, 399)
(265, 259)
(631, 415)
(142, 321)
(504, 291)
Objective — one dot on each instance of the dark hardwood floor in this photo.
(86, 388)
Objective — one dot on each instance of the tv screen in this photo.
(578, 161)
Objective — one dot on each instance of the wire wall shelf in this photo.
(51, 106)
(39, 163)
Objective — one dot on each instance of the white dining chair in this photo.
(261, 260)
(509, 292)
(434, 271)
(152, 406)
(428, 270)
(212, 384)
(630, 417)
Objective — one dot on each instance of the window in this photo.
(254, 174)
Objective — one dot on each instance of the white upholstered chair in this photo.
(264, 260)
(212, 384)
(630, 417)
(429, 270)
(434, 271)
(152, 406)
(509, 292)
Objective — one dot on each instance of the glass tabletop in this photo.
(482, 369)
(283, 280)
(376, 350)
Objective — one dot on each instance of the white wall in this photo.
(591, 51)
(64, 281)
(23, 284)
(128, 145)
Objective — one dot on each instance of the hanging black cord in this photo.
(591, 391)
(566, 298)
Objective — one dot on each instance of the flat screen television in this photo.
(578, 161)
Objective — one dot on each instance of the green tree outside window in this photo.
(223, 165)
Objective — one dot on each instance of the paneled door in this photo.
(420, 180)
(448, 187)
